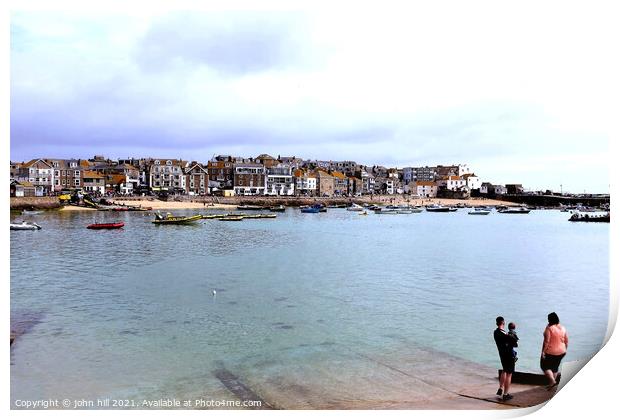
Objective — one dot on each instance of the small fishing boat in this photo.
(479, 212)
(231, 218)
(115, 225)
(514, 210)
(437, 208)
(590, 217)
(25, 226)
(175, 220)
(31, 212)
(311, 209)
(250, 207)
(266, 216)
(279, 208)
(386, 210)
(213, 216)
(355, 207)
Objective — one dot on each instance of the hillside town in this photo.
(228, 176)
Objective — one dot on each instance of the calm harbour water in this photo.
(131, 314)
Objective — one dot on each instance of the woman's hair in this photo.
(553, 318)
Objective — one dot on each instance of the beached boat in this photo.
(25, 226)
(178, 220)
(279, 208)
(116, 225)
(514, 210)
(590, 217)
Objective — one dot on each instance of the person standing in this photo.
(555, 345)
(505, 345)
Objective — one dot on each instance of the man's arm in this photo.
(547, 336)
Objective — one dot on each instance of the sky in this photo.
(522, 95)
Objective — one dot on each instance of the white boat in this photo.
(479, 212)
(31, 212)
(25, 226)
(514, 210)
(355, 207)
(386, 210)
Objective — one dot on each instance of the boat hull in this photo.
(100, 226)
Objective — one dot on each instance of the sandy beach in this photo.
(161, 205)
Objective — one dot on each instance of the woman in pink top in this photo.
(553, 349)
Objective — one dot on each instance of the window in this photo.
(63, 182)
(76, 173)
(156, 162)
(56, 173)
(76, 182)
(168, 162)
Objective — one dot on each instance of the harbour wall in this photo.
(35, 203)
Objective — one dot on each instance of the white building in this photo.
(280, 180)
(472, 181)
(423, 189)
(305, 182)
(455, 183)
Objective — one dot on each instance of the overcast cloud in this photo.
(520, 96)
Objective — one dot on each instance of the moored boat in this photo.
(25, 226)
(514, 210)
(590, 217)
(355, 207)
(279, 208)
(231, 218)
(115, 225)
(479, 212)
(311, 209)
(250, 207)
(437, 208)
(175, 220)
(31, 212)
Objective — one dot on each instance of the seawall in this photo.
(35, 203)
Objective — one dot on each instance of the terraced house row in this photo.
(228, 176)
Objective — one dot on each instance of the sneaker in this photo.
(507, 397)
(499, 392)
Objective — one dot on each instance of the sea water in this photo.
(315, 305)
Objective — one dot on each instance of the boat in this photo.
(250, 207)
(31, 212)
(514, 210)
(437, 208)
(311, 209)
(279, 208)
(479, 212)
(115, 225)
(386, 210)
(590, 217)
(25, 226)
(355, 207)
(175, 220)
(363, 213)
(231, 218)
(212, 216)
(452, 208)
